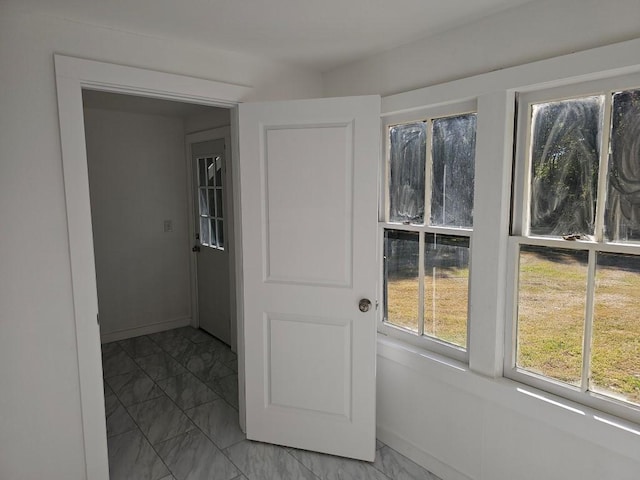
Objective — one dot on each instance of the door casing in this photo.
(72, 75)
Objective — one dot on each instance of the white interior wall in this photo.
(457, 423)
(40, 425)
(137, 180)
(214, 118)
(537, 30)
(40, 415)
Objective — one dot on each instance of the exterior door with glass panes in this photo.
(210, 243)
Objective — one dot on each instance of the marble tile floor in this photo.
(171, 401)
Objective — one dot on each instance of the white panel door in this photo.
(212, 222)
(309, 179)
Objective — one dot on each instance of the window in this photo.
(210, 201)
(576, 243)
(426, 224)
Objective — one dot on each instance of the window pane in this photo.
(615, 354)
(218, 167)
(622, 215)
(210, 172)
(551, 306)
(214, 236)
(401, 278)
(407, 158)
(212, 199)
(202, 172)
(453, 157)
(219, 203)
(220, 234)
(446, 287)
(202, 200)
(565, 153)
(204, 231)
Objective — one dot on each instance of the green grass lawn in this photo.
(551, 318)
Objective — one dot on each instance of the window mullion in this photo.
(421, 247)
(525, 214)
(427, 220)
(428, 172)
(603, 171)
(588, 321)
(385, 208)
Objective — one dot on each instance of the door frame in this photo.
(191, 138)
(72, 75)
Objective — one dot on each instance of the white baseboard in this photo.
(422, 458)
(144, 330)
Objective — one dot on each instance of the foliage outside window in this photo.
(210, 201)
(577, 246)
(426, 227)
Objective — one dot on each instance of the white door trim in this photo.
(191, 138)
(73, 74)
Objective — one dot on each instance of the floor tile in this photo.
(218, 421)
(131, 457)
(206, 362)
(196, 335)
(233, 365)
(227, 388)
(223, 350)
(192, 456)
(160, 336)
(328, 467)
(117, 363)
(174, 345)
(118, 420)
(160, 419)
(134, 387)
(160, 365)
(107, 389)
(262, 461)
(139, 346)
(110, 348)
(187, 391)
(399, 467)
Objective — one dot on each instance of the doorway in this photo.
(212, 232)
(289, 125)
(144, 216)
(72, 76)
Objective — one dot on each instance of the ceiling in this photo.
(317, 34)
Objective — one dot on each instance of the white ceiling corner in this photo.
(319, 35)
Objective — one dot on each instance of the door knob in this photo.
(196, 248)
(364, 305)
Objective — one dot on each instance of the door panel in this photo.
(212, 264)
(309, 176)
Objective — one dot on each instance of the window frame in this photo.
(434, 344)
(489, 314)
(519, 235)
(214, 219)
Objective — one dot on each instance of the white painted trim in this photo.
(491, 203)
(419, 456)
(73, 74)
(238, 268)
(570, 417)
(203, 136)
(490, 293)
(611, 60)
(145, 329)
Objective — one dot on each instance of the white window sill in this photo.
(573, 418)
